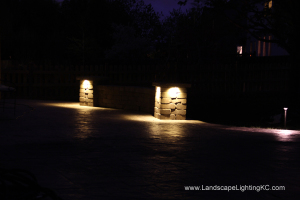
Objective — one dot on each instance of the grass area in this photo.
(246, 114)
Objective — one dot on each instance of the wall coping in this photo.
(133, 86)
(162, 84)
(93, 78)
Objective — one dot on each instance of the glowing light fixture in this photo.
(285, 109)
(173, 92)
(86, 84)
(269, 4)
(239, 50)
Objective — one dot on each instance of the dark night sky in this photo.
(164, 6)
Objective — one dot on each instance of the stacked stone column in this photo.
(86, 93)
(170, 101)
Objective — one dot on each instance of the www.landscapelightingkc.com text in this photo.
(241, 188)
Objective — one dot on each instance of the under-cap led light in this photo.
(173, 92)
(86, 84)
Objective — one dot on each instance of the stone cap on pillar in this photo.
(164, 84)
(92, 78)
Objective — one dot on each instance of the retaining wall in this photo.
(125, 97)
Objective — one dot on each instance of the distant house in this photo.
(226, 36)
(255, 47)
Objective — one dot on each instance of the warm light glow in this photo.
(270, 4)
(71, 105)
(285, 109)
(285, 135)
(150, 118)
(173, 92)
(86, 84)
(157, 92)
(239, 50)
(280, 134)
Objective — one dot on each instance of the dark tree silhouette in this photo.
(135, 40)
(277, 18)
(281, 20)
(30, 29)
(199, 34)
(76, 31)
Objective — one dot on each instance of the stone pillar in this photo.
(170, 101)
(86, 93)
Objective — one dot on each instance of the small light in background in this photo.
(285, 109)
(239, 50)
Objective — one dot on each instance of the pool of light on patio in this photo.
(279, 134)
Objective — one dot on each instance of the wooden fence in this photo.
(59, 82)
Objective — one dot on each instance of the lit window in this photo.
(268, 4)
(239, 50)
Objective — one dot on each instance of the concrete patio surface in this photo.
(100, 153)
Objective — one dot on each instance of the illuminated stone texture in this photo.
(86, 93)
(87, 89)
(170, 101)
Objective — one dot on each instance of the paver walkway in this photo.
(99, 153)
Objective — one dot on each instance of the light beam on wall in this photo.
(157, 94)
(173, 92)
(86, 84)
(86, 92)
